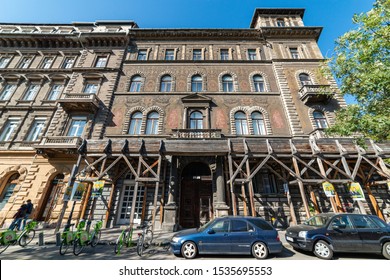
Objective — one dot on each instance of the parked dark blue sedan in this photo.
(228, 235)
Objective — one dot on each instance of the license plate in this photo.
(288, 238)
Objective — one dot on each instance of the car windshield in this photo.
(202, 228)
(317, 221)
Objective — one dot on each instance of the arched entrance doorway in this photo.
(8, 189)
(196, 197)
(51, 196)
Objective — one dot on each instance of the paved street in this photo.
(105, 251)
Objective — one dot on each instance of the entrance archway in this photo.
(50, 198)
(196, 197)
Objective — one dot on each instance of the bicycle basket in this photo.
(69, 237)
(98, 225)
(84, 237)
(9, 237)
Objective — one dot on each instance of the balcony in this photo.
(315, 94)
(59, 144)
(196, 133)
(79, 102)
(318, 133)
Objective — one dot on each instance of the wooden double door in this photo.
(195, 203)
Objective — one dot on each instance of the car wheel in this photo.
(260, 250)
(322, 250)
(386, 250)
(189, 250)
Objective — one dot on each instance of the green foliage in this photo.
(362, 64)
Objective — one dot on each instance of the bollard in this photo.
(41, 241)
(58, 238)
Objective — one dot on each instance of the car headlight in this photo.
(175, 239)
(302, 234)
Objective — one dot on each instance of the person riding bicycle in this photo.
(29, 208)
(18, 217)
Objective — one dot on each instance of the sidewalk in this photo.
(109, 236)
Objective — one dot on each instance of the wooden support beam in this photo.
(375, 205)
(85, 202)
(311, 168)
(257, 168)
(230, 181)
(144, 163)
(301, 188)
(156, 193)
(244, 200)
(250, 190)
(109, 167)
(332, 200)
(130, 166)
(152, 166)
(314, 200)
(330, 169)
(162, 198)
(346, 174)
(239, 168)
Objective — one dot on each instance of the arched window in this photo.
(258, 123)
(51, 198)
(305, 79)
(258, 83)
(196, 83)
(8, 189)
(166, 83)
(152, 123)
(241, 123)
(196, 120)
(135, 123)
(136, 83)
(227, 83)
(320, 119)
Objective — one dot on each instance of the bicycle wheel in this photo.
(77, 247)
(3, 247)
(64, 246)
(95, 238)
(26, 237)
(119, 243)
(140, 245)
(148, 238)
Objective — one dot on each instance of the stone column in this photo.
(170, 209)
(221, 209)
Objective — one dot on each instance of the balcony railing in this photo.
(315, 93)
(79, 101)
(196, 133)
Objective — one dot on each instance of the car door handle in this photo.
(379, 232)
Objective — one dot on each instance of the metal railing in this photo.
(61, 141)
(196, 133)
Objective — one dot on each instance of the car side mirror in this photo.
(211, 231)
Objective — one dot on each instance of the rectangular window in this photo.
(7, 91)
(197, 54)
(252, 54)
(280, 23)
(36, 130)
(269, 182)
(77, 126)
(68, 62)
(4, 61)
(31, 92)
(142, 55)
(55, 92)
(294, 53)
(101, 61)
(224, 54)
(91, 88)
(9, 128)
(47, 62)
(169, 55)
(25, 63)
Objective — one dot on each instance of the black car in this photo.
(324, 234)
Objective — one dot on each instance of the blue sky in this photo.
(334, 15)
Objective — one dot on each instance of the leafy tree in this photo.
(362, 64)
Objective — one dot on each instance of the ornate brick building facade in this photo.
(182, 124)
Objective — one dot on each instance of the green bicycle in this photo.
(66, 239)
(11, 237)
(83, 238)
(125, 238)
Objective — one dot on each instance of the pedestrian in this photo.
(18, 217)
(29, 209)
